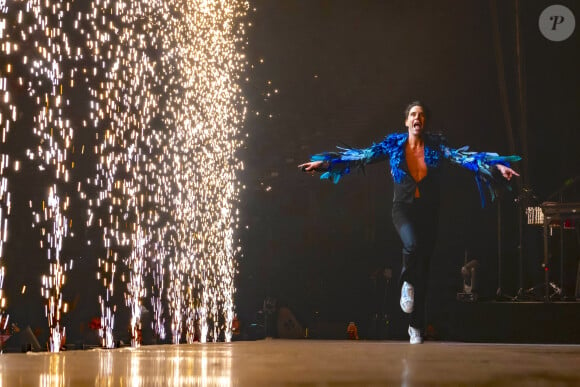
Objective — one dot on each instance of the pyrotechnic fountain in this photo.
(165, 110)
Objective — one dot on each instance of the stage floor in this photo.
(306, 362)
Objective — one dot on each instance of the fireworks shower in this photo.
(132, 111)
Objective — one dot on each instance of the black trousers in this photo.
(417, 225)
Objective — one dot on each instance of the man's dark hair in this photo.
(418, 103)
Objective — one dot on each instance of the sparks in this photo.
(165, 110)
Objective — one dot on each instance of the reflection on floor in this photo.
(286, 362)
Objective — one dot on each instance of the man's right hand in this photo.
(311, 166)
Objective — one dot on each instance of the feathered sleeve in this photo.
(344, 160)
(483, 165)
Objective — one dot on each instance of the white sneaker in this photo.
(415, 336)
(407, 297)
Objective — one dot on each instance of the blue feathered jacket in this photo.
(482, 164)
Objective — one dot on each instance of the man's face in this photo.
(415, 120)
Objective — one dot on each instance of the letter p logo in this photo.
(557, 20)
(557, 23)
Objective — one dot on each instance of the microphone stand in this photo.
(520, 293)
(499, 292)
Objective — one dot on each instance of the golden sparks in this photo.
(164, 110)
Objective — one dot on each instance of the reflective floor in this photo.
(284, 362)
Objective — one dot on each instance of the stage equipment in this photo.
(288, 325)
(28, 341)
(557, 214)
(352, 331)
(527, 201)
(468, 272)
(534, 215)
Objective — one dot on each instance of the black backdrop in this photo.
(344, 72)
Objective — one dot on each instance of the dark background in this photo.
(324, 73)
(345, 71)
